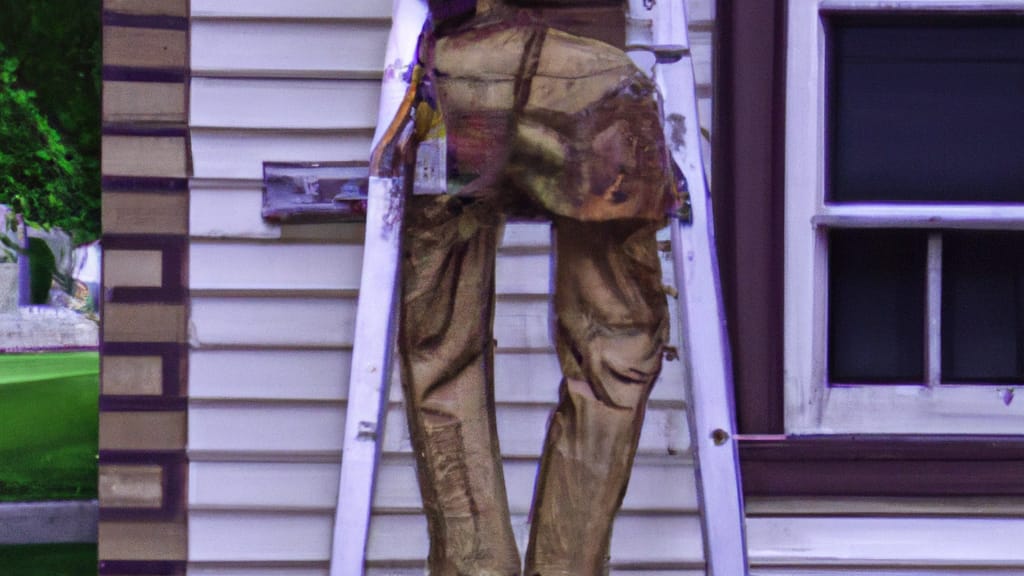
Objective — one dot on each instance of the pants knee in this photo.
(623, 367)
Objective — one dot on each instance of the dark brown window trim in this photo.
(883, 466)
(747, 190)
(747, 185)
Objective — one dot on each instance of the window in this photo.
(904, 219)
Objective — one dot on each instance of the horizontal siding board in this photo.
(316, 428)
(291, 9)
(215, 536)
(298, 428)
(229, 213)
(311, 485)
(524, 274)
(662, 539)
(215, 266)
(257, 569)
(701, 51)
(223, 266)
(652, 486)
(533, 377)
(261, 48)
(319, 322)
(263, 485)
(249, 536)
(886, 542)
(219, 211)
(373, 571)
(526, 235)
(698, 12)
(238, 154)
(520, 377)
(862, 571)
(230, 210)
(272, 321)
(265, 103)
(269, 374)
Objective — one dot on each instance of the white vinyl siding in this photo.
(917, 541)
(272, 317)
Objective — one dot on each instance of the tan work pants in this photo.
(612, 326)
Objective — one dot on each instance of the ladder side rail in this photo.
(376, 311)
(705, 339)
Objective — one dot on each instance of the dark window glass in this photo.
(876, 306)
(982, 307)
(926, 109)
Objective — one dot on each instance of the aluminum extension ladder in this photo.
(655, 27)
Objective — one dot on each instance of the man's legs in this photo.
(447, 355)
(612, 328)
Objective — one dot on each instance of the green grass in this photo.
(48, 560)
(48, 426)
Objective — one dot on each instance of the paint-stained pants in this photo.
(612, 326)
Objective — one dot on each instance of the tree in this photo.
(40, 175)
(49, 112)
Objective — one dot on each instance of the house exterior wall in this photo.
(145, 166)
(264, 351)
(272, 316)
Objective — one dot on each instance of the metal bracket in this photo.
(663, 53)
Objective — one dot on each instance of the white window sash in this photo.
(811, 406)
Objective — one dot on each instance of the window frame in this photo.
(749, 173)
(812, 404)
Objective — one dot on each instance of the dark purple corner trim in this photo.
(145, 21)
(134, 568)
(172, 248)
(138, 184)
(132, 130)
(163, 295)
(143, 403)
(173, 361)
(883, 466)
(124, 74)
(174, 480)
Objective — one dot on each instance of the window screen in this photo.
(876, 315)
(928, 109)
(983, 307)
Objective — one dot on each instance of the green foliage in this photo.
(50, 58)
(40, 175)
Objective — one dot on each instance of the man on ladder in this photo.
(536, 122)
